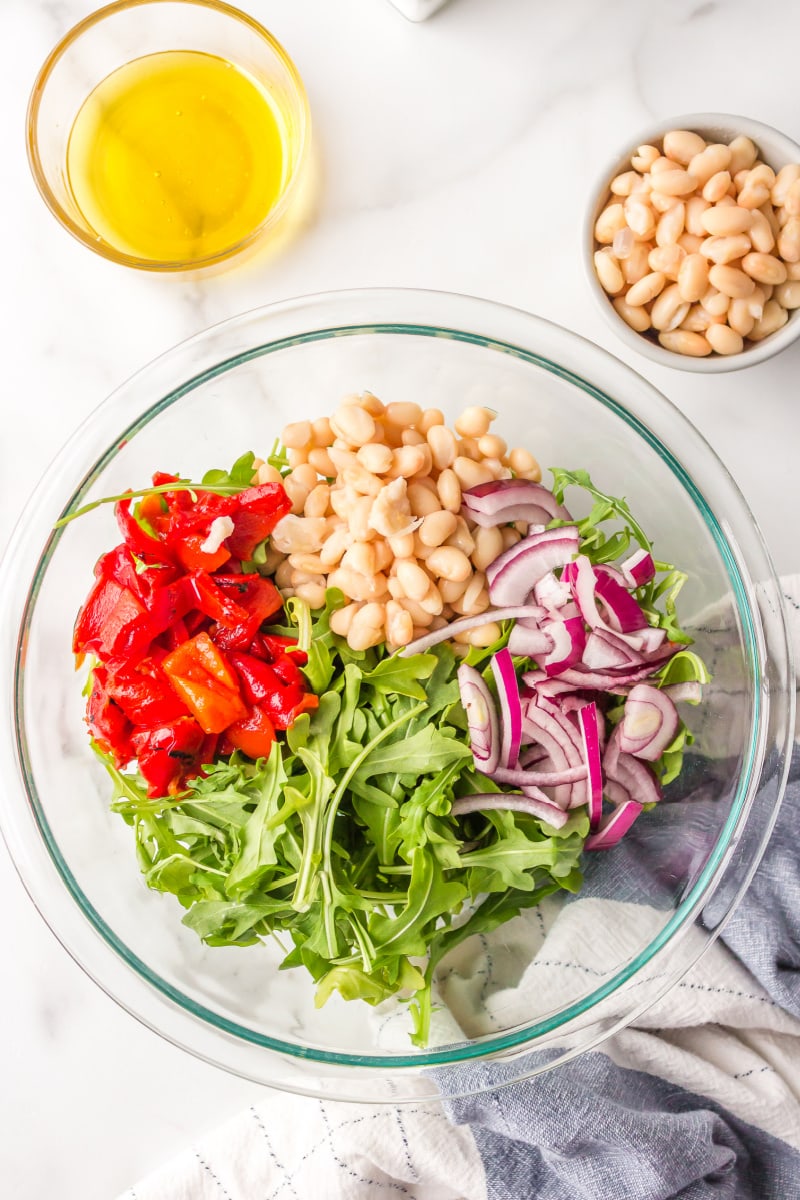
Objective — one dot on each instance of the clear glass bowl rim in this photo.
(395, 304)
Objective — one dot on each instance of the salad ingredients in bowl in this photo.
(392, 864)
(378, 693)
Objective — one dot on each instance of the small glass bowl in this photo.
(776, 149)
(130, 29)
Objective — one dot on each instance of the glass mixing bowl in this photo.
(650, 907)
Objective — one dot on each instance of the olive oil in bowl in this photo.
(177, 158)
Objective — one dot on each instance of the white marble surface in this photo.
(455, 154)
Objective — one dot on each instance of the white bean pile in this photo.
(700, 244)
(376, 511)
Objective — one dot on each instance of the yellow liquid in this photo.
(176, 157)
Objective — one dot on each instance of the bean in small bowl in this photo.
(692, 242)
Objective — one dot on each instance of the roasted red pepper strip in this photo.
(270, 646)
(168, 755)
(258, 597)
(253, 735)
(258, 511)
(258, 679)
(203, 680)
(262, 685)
(136, 539)
(214, 602)
(107, 723)
(198, 517)
(192, 556)
(144, 694)
(113, 624)
(213, 707)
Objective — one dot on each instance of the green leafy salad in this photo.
(395, 802)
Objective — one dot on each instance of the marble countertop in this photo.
(455, 154)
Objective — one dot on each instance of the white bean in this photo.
(773, 318)
(293, 535)
(760, 232)
(682, 341)
(789, 241)
(448, 562)
(764, 268)
(726, 220)
(717, 186)
(437, 527)
(646, 289)
(413, 579)
(788, 294)
(403, 413)
(724, 340)
(474, 422)
(429, 418)
(725, 249)
(608, 271)
(522, 462)
(366, 627)
(743, 154)
(715, 157)
(297, 435)
(637, 317)
(730, 280)
(375, 457)
(740, 318)
(488, 547)
(693, 277)
(610, 221)
(669, 309)
(675, 182)
(671, 225)
(399, 625)
(682, 145)
(341, 619)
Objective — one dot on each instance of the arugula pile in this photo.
(343, 839)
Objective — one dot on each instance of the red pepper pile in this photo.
(184, 673)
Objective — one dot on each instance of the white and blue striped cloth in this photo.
(698, 1100)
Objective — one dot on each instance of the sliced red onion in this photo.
(691, 691)
(463, 624)
(552, 592)
(548, 725)
(569, 573)
(551, 689)
(624, 613)
(555, 717)
(523, 779)
(589, 724)
(569, 640)
(635, 776)
(613, 827)
(513, 802)
(604, 650)
(609, 680)
(484, 735)
(532, 643)
(538, 614)
(649, 723)
(638, 569)
(510, 707)
(615, 792)
(513, 576)
(505, 500)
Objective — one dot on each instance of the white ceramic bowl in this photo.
(775, 149)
